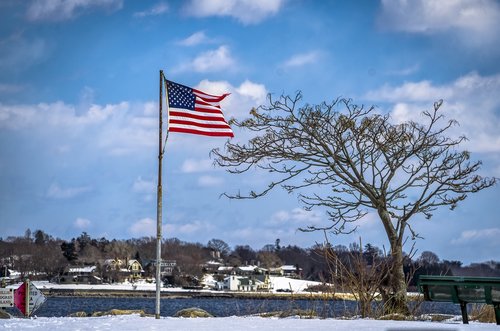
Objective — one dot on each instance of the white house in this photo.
(86, 275)
(287, 270)
(245, 284)
(250, 270)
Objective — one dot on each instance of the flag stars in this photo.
(180, 96)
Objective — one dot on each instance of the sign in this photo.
(6, 297)
(167, 263)
(20, 298)
(36, 298)
(167, 267)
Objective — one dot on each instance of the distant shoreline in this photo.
(172, 294)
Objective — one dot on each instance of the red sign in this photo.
(20, 298)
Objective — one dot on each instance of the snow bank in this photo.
(135, 322)
(296, 285)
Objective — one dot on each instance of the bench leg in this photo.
(463, 307)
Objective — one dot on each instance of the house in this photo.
(9, 276)
(168, 270)
(245, 284)
(80, 275)
(223, 270)
(118, 270)
(292, 271)
(134, 269)
(211, 266)
(113, 264)
(250, 270)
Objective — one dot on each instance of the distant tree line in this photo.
(38, 255)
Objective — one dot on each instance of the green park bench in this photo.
(462, 290)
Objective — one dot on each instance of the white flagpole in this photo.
(159, 204)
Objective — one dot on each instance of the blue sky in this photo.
(79, 104)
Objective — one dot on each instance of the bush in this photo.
(192, 312)
(320, 288)
(482, 313)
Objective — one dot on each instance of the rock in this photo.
(118, 312)
(301, 313)
(4, 314)
(79, 314)
(435, 317)
(396, 317)
(193, 312)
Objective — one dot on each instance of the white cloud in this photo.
(246, 233)
(297, 216)
(241, 99)
(119, 129)
(253, 91)
(143, 186)
(150, 109)
(122, 128)
(260, 235)
(472, 100)
(192, 165)
(145, 227)
(210, 181)
(422, 91)
(57, 192)
(187, 228)
(245, 11)
(57, 114)
(490, 235)
(196, 38)
(299, 60)
(61, 10)
(369, 223)
(158, 9)
(210, 61)
(146, 188)
(82, 223)
(193, 227)
(475, 22)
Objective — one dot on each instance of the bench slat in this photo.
(462, 290)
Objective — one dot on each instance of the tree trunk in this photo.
(397, 298)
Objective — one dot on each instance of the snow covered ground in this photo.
(135, 322)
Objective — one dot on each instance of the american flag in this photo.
(196, 112)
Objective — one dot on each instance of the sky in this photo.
(79, 93)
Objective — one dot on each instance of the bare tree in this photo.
(220, 246)
(269, 259)
(428, 258)
(367, 163)
(356, 272)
